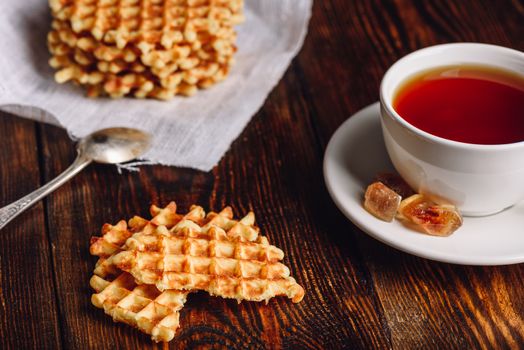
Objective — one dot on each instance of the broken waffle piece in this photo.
(381, 201)
(222, 263)
(236, 278)
(173, 254)
(113, 237)
(167, 221)
(141, 306)
(429, 217)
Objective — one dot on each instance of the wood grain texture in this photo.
(360, 294)
(426, 304)
(28, 308)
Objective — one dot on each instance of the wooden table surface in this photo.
(359, 292)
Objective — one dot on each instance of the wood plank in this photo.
(28, 310)
(254, 175)
(359, 293)
(340, 308)
(430, 304)
(77, 211)
(426, 304)
(285, 189)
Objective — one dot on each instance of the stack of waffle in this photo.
(146, 268)
(143, 48)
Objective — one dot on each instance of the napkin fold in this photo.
(190, 132)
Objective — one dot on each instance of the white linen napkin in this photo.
(190, 132)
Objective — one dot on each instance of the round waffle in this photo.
(143, 48)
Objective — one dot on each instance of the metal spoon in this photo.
(110, 146)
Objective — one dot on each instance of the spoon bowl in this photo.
(114, 145)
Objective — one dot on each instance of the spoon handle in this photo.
(12, 210)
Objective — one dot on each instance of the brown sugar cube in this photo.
(381, 201)
(429, 217)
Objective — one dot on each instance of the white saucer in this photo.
(356, 153)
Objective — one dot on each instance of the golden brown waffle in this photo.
(113, 237)
(165, 22)
(210, 252)
(141, 306)
(226, 277)
(195, 224)
(199, 223)
(173, 254)
(143, 48)
(119, 76)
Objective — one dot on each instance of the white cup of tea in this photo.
(480, 179)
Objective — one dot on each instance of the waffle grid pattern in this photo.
(146, 268)
(141, 306)
(143, 48)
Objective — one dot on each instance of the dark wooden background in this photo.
(359, 292)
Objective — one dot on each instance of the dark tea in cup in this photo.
(452, 118)
(467, 103)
